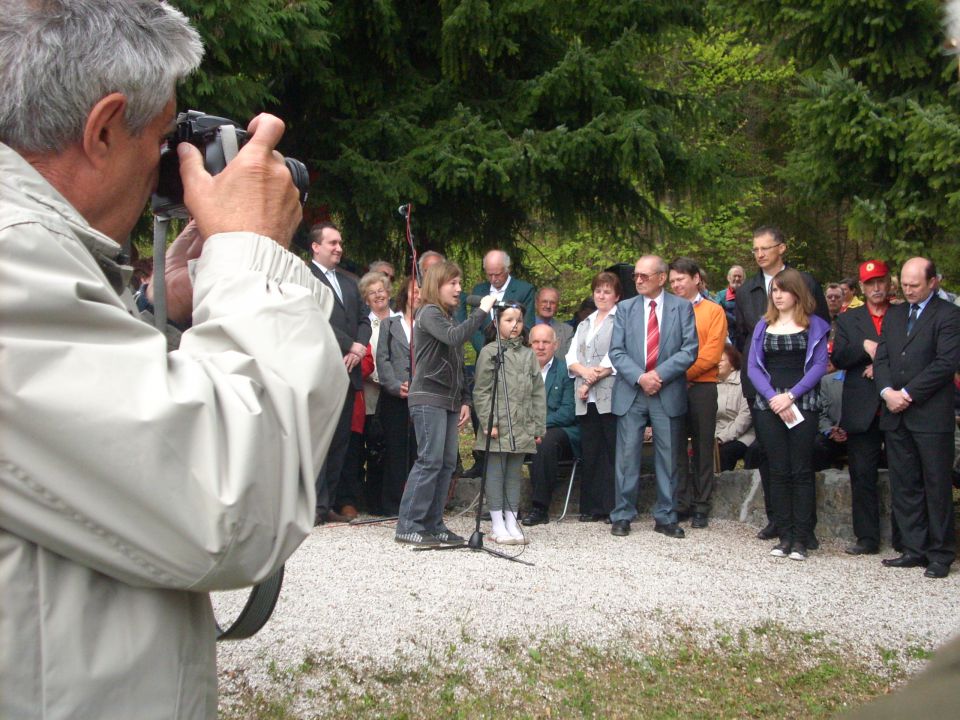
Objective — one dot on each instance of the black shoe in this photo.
(905, 561)
(415, 538)
(537, 516)
(768, 533)
(591, 517)
(320, 518)
(620, 528)
(861, 548)
(669, 529)
(812, 543)
(782, 549)
(937, 570)
(446, 536)
(473, 472)
(700, 520)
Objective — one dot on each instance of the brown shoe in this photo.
(349, 512)
(334, 516)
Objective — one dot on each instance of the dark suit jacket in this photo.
(751, 305)
(923, 363)
(861, 397)
(679, 345)
(349, 319)
(561, 406)
(517, 291)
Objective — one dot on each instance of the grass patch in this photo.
(770, 672)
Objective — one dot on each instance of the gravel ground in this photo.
(353, 595)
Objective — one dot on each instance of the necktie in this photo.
(911, 321)
(653, 337)
(332, 277)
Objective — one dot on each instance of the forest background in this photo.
(579, 133)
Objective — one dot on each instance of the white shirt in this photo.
(592, 327)
(545, 369)
(659, 311)
(499, 292)
(331, 274)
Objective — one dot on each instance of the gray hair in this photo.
(378, 265)
(58, 58)
(370, 279)
(426, 256)
(952, 23)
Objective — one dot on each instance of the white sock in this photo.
(496, 519)
(512, 527)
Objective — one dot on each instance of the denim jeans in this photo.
(421, 508)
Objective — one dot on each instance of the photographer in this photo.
(133, 480)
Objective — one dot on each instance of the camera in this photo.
(219, 139)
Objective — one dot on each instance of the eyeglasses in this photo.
(643, 277)
(761, 250)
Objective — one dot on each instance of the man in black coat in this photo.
(918, 354)
(858, 333)
(351, 325)
(769, 247)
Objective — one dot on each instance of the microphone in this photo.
(404, 210)
(474, 301)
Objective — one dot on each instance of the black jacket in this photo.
(349, 319)
(861, 397)
(924, 363)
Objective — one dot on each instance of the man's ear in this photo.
(104, 128)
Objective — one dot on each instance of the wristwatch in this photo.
(791, 396)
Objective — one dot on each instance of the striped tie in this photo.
(653, 337)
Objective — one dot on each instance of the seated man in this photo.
(830, 444)
(562, 439)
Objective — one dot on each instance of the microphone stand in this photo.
(475, 542)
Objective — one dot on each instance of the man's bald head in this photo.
(543, 341)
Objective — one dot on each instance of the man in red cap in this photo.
(858, 333)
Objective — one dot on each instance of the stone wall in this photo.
(737, 496)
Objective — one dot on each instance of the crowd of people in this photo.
(768, 373)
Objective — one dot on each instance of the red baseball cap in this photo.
(873, 269)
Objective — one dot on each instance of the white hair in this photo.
(951, 20)
(503, 256)
(58, 58)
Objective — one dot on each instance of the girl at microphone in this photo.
(438, 404)
(527, 420)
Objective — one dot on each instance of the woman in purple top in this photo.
(788, 356)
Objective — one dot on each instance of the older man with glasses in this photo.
(769, 248)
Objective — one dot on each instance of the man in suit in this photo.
(506, 288)
(654, 341)
(917, 356)
(769, 248)
(351, 326)
(858, 333)
(548, 301)
(561, 441)
(700, 423)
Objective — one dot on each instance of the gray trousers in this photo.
(421, 508)
(503, 480)
(667, 432)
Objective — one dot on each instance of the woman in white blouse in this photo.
(589, 365)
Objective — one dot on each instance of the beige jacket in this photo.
(132, 480)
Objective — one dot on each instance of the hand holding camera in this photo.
(253, 193)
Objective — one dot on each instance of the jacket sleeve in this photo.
(626, 366)
(483, 388)
(934, 376)
(566, 413)
(742, 422)
(385, 370)
(818, 362)
(846, 353)
(755, 371)
(529, 303)
(708, 355)
(434, 321)
(192, 469)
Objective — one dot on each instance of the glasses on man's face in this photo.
(764, 249)
(643, 277)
